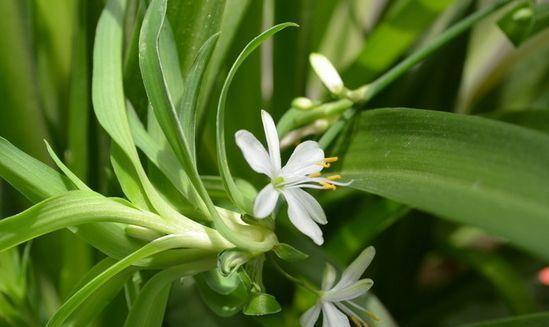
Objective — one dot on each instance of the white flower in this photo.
(335, 301)
(301, 171)
(326, 72)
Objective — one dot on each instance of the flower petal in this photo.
(350, 313)
(272, 139)
(311, 205)
(305, 160)
(301, 219)
(254, 152)
(350, 292)
(356, 268)
(328, 278)
(265, 201)
(332, 317)
(309, 317)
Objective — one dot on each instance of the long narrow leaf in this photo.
(189, 102)
(236, 195)
(71, 209)
(148, 309)
(93, 306)
(109, 102)
(468, 169)
(156, 246)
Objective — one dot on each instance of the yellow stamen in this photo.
(330, 159)
(324, 164)
(334, 177)
(313, 175)
(328, 186)
(357, 322)
(373, 316)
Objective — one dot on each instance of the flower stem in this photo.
(368, 91)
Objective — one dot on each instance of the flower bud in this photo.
(327, 73)
(303, 103)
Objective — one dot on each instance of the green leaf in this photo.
(29, 176)
(71, 209)
(149, 307)
(467, 169)
(221, 283)
(262, 304)
(235, 194)
(157, 88)
(18, 87)
(534, 119)
(532, 320)
(93, 306)
(164, 110)
(37, 181)
(79, 95)
(224, 305)
(289, 253)
(232, 17)
(189, 101)
(164, 159)
(525, 20)
(74, 179)
(78, 298)
(193, 23)
(110, 108)
(216, 189)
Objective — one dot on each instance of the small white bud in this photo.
(303, 103)
(326, 72)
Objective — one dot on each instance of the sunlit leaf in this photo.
(467, 169)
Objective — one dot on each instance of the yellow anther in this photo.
(334, 177)
(328, 186)
(324, 164)
(313, 175)
(372, 316)
(330, 159)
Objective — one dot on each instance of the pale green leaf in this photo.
(189, 101)
(29, 176)
(71, 209)
(243, 202)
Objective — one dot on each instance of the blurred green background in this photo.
(428, 271)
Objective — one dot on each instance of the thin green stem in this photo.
(334, 130)
(367, 92)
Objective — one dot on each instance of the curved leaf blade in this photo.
(148, 309)
(234, 192)
(467, 169)
(71, 209)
